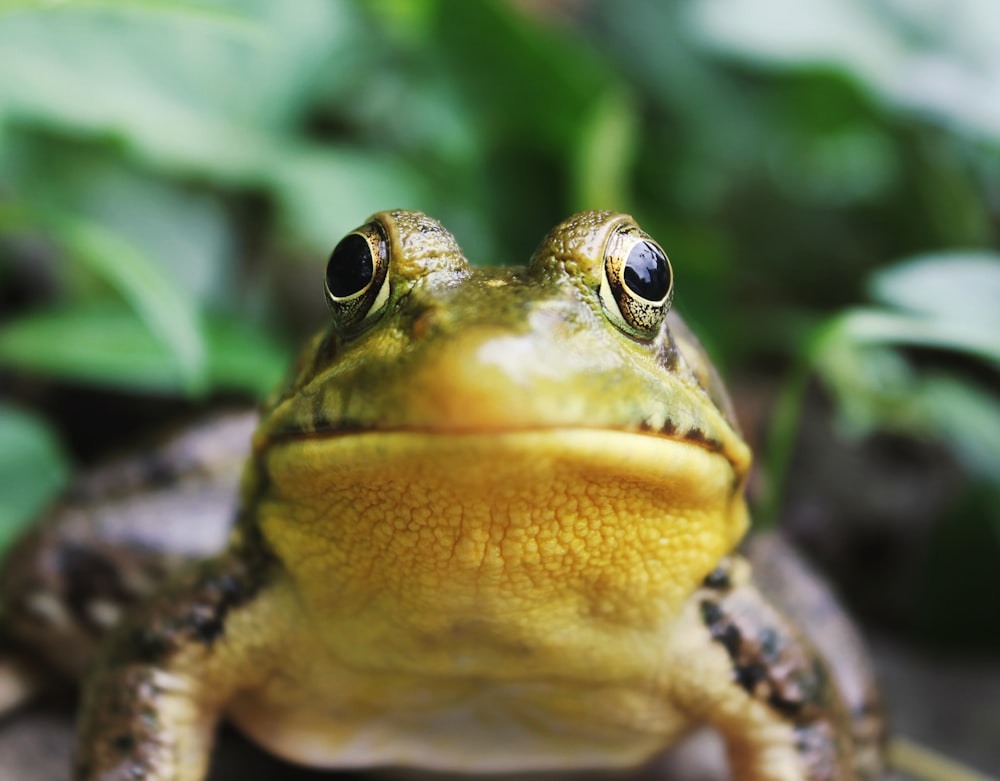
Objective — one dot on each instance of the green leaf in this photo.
(181, 10)
(99, 344)
(242, 358)
(33, 469)
(539, 96)
(875, 326)
(606, 147)
(951, 306)
(109, 345)
(960, 287)
(325, 192)
(967, 418)
(158, 302)
(112, 70)
(916, 54)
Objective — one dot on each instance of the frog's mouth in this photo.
(489, 381)
(432, 414)
(647, 437)
(692, 463)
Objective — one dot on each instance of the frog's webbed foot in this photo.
(749, 672)
(154, 697)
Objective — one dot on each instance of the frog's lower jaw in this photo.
(528, 536)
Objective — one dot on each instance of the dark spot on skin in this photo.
(813, 682)
(318, 413)
(230, 587)
(698, 436)
(711, 614)
(821, 750)
(731, 640)
(246, 516)
(87, 577)
(789, 708)
(768, 663)
(749, 676)
(667, 355)
(207, 629)
(146, 646)
(325, 354)
(203, 619)
(223, 593)
(718, 579)
(722, 630)
(667, 428)
(123, 743)
(770, 645)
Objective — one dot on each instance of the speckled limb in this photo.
(119, 531)
(786, 581)
(761, 684)
(153, 700)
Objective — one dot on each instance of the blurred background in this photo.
(825, 177)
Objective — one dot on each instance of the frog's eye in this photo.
(357, 286)
(638, 284)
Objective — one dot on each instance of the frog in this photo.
(493, 522)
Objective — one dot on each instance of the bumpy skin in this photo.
(489, 527)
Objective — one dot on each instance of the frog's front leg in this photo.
(155, 694)
(746, 670)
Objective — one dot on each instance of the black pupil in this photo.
(647, 273)
(350, 266)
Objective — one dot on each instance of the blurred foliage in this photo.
(32, 469)
(941, 302)
(174, 172)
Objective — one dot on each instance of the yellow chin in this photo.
(617, 526)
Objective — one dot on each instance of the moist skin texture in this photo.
(489, 524)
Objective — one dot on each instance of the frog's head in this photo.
(500, 421)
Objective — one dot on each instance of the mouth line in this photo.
(695, 437)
